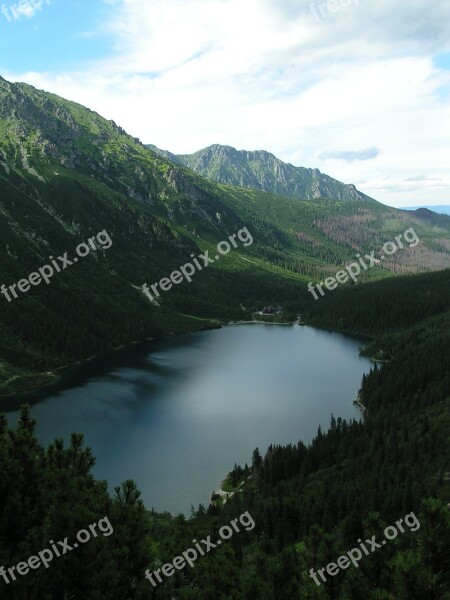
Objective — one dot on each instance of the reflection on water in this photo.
(176, 414)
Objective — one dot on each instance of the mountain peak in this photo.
(259, 169)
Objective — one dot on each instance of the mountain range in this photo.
(442, 209)
(261, 170)
(66, 174)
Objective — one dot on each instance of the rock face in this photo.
(264, 171)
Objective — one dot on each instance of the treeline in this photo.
(383, 306)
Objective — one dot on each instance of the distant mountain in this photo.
(440, 209)
(261, 170)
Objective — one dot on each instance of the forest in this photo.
(310, 503)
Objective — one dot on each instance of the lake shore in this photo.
(39, 381)
(168, 400)
(256, 322)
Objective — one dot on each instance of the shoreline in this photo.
(256, 322)
(359, 404)
(56, 374)
(223, 495)
(220, 494)
(298, 321)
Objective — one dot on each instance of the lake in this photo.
(176, 414)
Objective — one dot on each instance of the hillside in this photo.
(67, 174)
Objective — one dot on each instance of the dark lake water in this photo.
(176, 414)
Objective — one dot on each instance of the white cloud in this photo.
(265, 74)
(351, 155)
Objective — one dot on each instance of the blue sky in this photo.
(358, 89)
(442, 60)
(59, 36)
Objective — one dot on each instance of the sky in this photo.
(359, 89)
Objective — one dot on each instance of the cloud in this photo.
(423, 178)
(268, 74)
(351, 155)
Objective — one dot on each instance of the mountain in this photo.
(67, 174)
(166, 154)
(263, 171)
(440, 209)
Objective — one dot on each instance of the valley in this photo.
(67, 173)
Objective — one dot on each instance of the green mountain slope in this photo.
(263, 171)
(67, 174)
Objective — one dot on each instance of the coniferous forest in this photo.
(310, 503)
